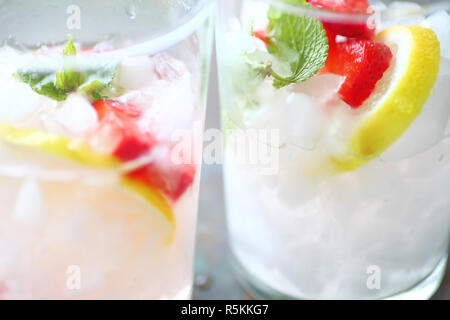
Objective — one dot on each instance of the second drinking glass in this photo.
(337, 156)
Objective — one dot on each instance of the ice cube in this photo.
(321, 87)
(269, 113)
(17, 101)
(236, 43)
(403, 13)
(254, 13)
(305, 120)
(405, 5)
(440, 23)
(167, 106)
(105, 139)
(168, 68)
(29, 204)
(137, 72)
(378, 5)
(77, 115)
(296, 115)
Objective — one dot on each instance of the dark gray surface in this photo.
(214, 278)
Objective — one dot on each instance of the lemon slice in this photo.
(79, 152)
(152, 196)
(55, 145)
(398, 97)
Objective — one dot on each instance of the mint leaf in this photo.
(298, 44)
(50, 90)
(42, 82)
(69, 78)
(96, 96)
(98, 79)
(70, 49)
(99, 83)
(94, 82)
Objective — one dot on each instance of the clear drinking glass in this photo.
(337, 156)
(99, 192)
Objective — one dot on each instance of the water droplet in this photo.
(203, 281)
(131, 11)
(441, 158)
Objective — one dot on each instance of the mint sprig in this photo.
(93, 82)
(43, 82)
(97, 82)
(69, 78)
(297, 44)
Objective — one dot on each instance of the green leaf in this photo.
(93, 82)
(70, 49)
(297, 44)
(43, 83)
(97, 79)
(98, 82)
(50, 90)
(69, 78)
(96, 96)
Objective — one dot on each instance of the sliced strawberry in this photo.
(131, 147)
(331, 39)
(171, 179)
(348, 6)
(120, 121)
(363, 63)
(261, 35)
(347, 29)
(105, 107)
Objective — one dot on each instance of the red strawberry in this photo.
(352, 30)
(363, 63)
(261, 35)
(348, 6)
(120, 120)
(331, 39)
(171, 179)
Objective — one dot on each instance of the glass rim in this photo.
(163, 40)
(357, 18)
(169, 37)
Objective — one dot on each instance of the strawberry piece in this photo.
(106, 107)
(261, 35)
(347, 6)
(347, 29)
(331, 39)
(363, 63)
(131, 147)
(171, 179)
(121, 121)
